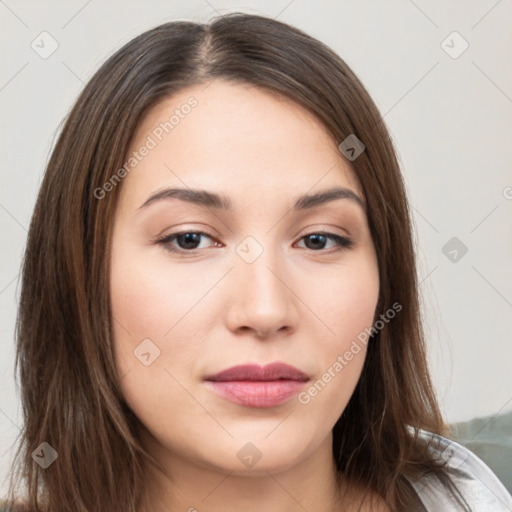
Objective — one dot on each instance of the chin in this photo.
(275, 464)
(260, 457)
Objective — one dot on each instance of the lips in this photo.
(253, 372)
(255, 386)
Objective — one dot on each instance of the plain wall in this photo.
(450, 117)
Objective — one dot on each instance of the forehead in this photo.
(236, 137)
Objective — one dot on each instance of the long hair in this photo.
(70, 392)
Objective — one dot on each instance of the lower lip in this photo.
(257, 393)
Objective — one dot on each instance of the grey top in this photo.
(479, 486)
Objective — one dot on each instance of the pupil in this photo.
(190, 240)
(315, 239)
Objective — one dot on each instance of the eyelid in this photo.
(166, 240)
(333, 236)
(342, 242)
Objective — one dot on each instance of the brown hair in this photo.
(69, 383)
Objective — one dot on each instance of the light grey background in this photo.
(450, 118)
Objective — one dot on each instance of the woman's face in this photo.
(263, 281)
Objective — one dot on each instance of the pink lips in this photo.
(255, 386)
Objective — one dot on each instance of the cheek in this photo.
(345, 304)
(150, 298)
(153, 345)
(161, 321)
(346, 300)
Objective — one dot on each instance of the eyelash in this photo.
(341, 242)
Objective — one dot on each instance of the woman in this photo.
(219, 306)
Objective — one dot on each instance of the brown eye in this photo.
(186, 241)
(318, 241)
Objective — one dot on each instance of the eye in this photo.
(187, 241)
(318, 241)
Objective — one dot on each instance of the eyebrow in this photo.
(222, 202)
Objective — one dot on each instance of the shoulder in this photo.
(473, 479)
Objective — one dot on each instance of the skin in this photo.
(209, 309)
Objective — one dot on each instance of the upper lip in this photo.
(254, 372)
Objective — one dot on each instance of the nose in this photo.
(262, 298)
